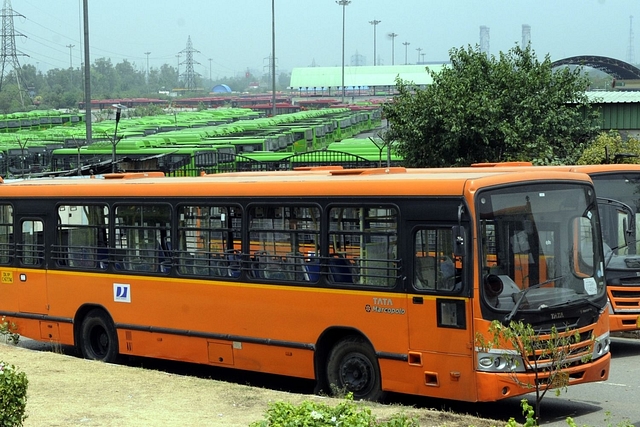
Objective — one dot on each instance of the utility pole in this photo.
(393, 45)
(406, 45)
(375, 23)
(419, 50)
(210, 59)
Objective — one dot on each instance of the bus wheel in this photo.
(98, 337)
(353, 367)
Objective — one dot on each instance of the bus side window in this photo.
(434, 266)
(6, 234)
(139, 233)
(31, 248)
(82, 238)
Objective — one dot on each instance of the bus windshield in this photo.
(540, 248)
(619, 198)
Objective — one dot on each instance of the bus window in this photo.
(142, 241)
(31, 250)
(209, 240)
(363, 245)
(435, 267)
(82, 238)
(6, 234)
(284, 242)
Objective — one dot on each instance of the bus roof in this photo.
(316, 182)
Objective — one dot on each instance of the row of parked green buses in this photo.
(186, 143)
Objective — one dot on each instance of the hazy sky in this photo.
(233, 36)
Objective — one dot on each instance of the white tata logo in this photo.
(122, 292)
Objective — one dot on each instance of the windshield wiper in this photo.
(524, 292)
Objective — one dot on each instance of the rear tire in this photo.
(98, 337)
(353, 367)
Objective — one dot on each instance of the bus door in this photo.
(440, 320)
(30, 274)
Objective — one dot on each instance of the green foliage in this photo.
(311, 414)
(546, 355)
(13, 396)
(8, 331)
(609, 147)
(486, 109)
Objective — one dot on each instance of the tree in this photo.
(547, 355)
(486, 109)
(609, 147)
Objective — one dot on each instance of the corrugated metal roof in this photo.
(382, 75)
(613, 97)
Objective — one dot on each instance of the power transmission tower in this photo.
(8, 53)
(270, 67)
(190, 74)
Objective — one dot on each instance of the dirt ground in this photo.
(67, 391)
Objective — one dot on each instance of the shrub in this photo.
(8, 331)
(13, 396)
(311, 414)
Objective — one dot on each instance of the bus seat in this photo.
(312, 267)
(340, 270)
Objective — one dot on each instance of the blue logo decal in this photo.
(121, 292)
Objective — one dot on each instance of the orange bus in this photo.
(617, 187)
(365, 281)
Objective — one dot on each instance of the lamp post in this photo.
(375, 22)
(393, 46)
(406, 45)
(344, 4)
(118, 108)
(273, 57)
(419, 50)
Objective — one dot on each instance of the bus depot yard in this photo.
(189, 142)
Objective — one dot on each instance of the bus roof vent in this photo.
(369, 171)
(133, 175)
(500, 164)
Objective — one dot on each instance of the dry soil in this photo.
(65, 390)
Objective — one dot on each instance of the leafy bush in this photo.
(13, 396)
(8, 331)
(311, 414)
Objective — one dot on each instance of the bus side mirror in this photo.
(459, 240)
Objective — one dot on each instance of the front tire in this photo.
(98, 337)
(353, 367)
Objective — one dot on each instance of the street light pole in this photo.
(393, 46)
(273, 58)
(406, 45)
(115, 141)
(344, 4)
(375, 22)
(419, 50)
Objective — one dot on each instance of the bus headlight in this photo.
(601, 346)
(499, 362)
